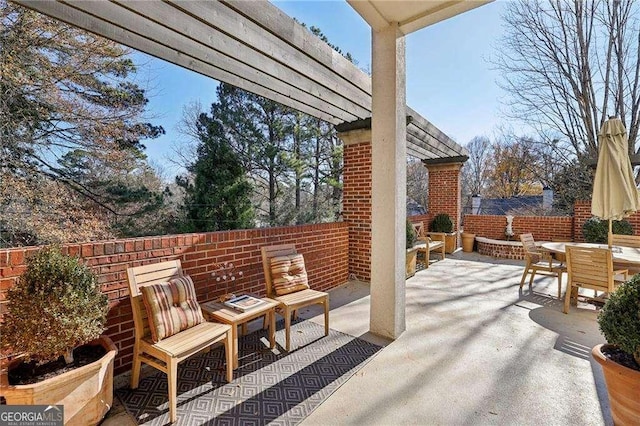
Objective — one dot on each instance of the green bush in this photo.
(55, 306)
(595, 230)
(619, 319)
(411, 235)
(442, 223)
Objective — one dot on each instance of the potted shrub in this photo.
(442, 223)
(619, 321)
(54, 321)
(412, 252)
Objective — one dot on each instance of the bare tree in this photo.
(475, 170)
(569, 65)
(185, 150)
(417, 182)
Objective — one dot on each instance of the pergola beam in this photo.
(275, 21)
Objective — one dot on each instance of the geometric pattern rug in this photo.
(269, 387)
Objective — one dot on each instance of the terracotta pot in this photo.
(450, 243)
(623, 387)
(467, 242)
(86, 392)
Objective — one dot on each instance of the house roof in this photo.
(502, 206)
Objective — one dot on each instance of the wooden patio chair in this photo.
(560, 257)
(540, 261)
(289, 285)
(165, 353)
(624, 240)
(590, 268)
(632, 241)
(428, 242)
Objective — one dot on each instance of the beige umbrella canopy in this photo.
(615, 194)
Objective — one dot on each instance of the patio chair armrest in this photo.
(623, 272)
(436, 236)
(546, 255)
(540, 254)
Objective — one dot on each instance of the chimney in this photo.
(475, 204)
(547, 198)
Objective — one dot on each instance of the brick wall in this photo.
(503, 250)
(424, 218)
(325, 248)
(582, 212)
(356, 210)
(543, 228)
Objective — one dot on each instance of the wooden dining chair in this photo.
(624, 240)
(592, 268)
(286, 281)
(539, 261)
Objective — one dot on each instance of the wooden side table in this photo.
(216, 311)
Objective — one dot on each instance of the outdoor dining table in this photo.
(628, 257)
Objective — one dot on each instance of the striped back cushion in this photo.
(288, 274)
(171, 307)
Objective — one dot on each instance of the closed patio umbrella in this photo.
(615, 194)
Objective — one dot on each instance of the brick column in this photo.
(445, 191)
(356, 199)
(444, 197)
(581, 212)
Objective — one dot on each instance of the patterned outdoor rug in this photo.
(270, 386)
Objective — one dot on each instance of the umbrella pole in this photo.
(609, 236)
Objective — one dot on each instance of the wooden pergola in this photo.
(252, 45)
(255, 46)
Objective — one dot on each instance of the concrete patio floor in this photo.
(476, 351)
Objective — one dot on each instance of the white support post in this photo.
(389, 194)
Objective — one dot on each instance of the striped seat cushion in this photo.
(171, 307)
(288, 274)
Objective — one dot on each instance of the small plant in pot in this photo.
(55, 311)
(619, 321)
(442, 223)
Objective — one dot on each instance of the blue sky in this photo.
(449, 79)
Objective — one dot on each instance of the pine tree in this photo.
(219, 196)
